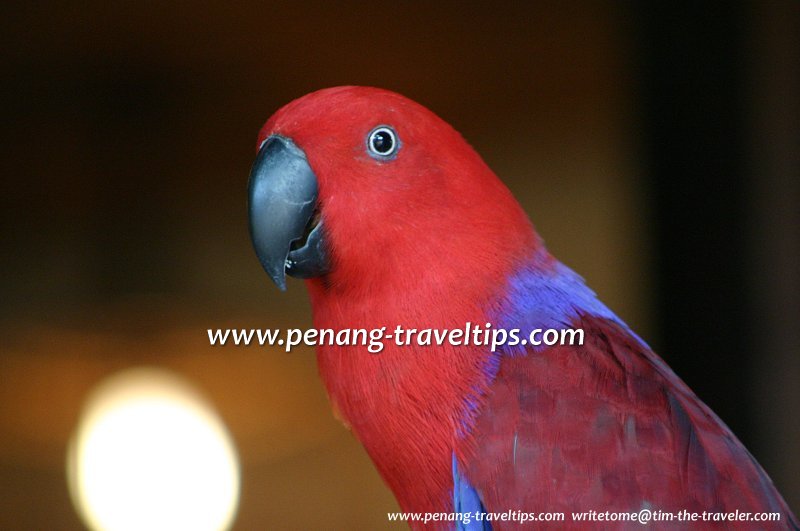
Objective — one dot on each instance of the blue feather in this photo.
(548, 295)
(466, 500)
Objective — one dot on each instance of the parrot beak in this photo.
(285, 226)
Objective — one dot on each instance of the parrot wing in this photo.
(607, 426)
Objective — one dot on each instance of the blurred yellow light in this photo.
(150, 453)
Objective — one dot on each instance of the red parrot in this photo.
(392, 218)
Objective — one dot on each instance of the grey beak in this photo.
(283, 191)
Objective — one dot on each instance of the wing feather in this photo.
(608, 426)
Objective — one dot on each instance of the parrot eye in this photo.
(382, 142)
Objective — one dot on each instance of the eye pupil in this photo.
(382, 142)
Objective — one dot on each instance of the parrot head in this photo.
(359, 188)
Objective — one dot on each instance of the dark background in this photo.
(655, 146)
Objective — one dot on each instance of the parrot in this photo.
(391, 217)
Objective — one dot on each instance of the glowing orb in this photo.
(150, 453)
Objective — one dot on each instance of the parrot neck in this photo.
(408, 404)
